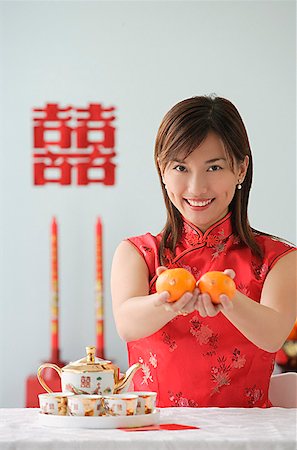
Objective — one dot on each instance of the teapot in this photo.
(90, 375)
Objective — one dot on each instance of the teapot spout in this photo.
(126, 378)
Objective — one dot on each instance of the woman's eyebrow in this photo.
(214, 160)
(177, 160)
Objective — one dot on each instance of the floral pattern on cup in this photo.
(146, 403)
(85, 405)
(55, 403)
(120, 404)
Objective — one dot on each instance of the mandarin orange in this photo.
(176, 282)
(216, 283)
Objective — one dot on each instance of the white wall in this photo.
(142, 57)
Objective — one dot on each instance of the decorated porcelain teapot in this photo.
(90, 375)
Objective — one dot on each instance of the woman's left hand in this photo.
(185, 305)
(207, 308)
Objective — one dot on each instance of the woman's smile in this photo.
(199, 204)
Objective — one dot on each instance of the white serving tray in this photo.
(140, 420)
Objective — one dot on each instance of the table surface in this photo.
(219, 428)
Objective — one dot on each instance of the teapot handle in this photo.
(41, 380)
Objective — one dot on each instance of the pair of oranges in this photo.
(178, 281)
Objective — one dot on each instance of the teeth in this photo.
(194, 203)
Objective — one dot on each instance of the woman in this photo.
(195, 353)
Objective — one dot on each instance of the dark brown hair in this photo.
(182, 130)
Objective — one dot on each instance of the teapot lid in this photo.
(89, 363)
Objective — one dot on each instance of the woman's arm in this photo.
(138, 314)
(268, 323)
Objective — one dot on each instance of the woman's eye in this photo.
(180, 168)
(214, 168)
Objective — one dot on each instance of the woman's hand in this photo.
(206, 308)
(184, 306)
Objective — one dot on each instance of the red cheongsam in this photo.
(199, 362)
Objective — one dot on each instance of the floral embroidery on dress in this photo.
(213, 240)
(254, 395)
(238, 360)
(260, 270)
(179, 400)
(169, 341)
(153, 360)
(213, 344)
(146, 372)
(191, 235)
(193, 269)
(146, 249)
(218, 249)
(201, 332)
(220, 375)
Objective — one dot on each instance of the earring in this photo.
(239, 185)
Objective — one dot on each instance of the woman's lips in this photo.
(199, 204)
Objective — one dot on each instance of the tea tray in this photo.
(140, 420)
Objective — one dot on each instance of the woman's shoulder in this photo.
(147, 246)
(145, 240)
(273, 247)
(271, 239)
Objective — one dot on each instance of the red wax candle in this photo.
(99, 292)
(54, 293)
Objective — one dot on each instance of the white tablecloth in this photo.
(220, 428)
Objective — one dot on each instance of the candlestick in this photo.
(99, 292)
(54, 293)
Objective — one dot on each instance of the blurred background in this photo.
(141, 58)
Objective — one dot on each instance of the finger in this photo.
(182, 302)
(161, 298)
(200, 306)
(160, 269)
(190, 306)
(227, 304)
(211, 309)
(230, 273)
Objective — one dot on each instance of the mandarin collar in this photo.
(216, 233)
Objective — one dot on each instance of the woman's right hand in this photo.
(185, 305)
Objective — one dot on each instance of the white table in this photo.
(220, 428)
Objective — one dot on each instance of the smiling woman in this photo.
(194, 352)
(201, 189)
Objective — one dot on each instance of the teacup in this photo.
(54, 403)
(85, 405)
(120, 404)
(146, 403)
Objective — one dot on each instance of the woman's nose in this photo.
(197, 185)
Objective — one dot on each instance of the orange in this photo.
(293, 335)
(215, 284)
(176, 282)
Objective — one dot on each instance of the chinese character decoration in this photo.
(74, 145)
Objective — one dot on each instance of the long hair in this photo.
(182, 130)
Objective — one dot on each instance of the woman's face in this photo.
(202, 186)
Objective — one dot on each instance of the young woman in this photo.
(195, 353)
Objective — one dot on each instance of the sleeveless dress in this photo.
(201, 362)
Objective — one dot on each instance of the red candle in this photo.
(99, 292)
(54, 293)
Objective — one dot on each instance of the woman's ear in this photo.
(243, 167)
